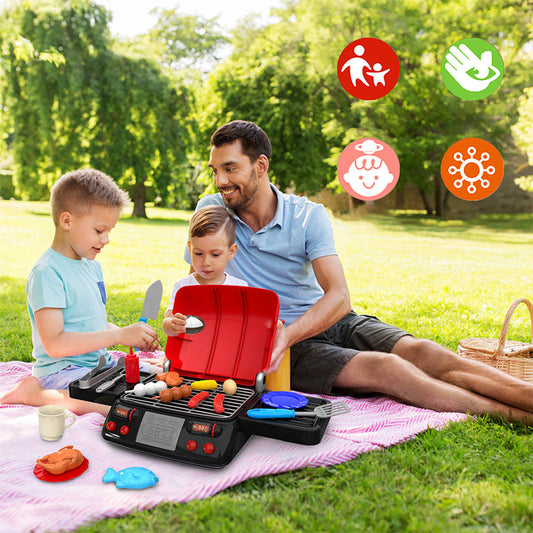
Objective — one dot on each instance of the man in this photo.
(286, 245)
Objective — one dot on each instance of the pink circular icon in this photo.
(368, 68)
(368, 169)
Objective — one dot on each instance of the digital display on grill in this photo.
(202, 429)
(160, 431)
(122, 412)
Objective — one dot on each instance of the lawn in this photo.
(444, 280)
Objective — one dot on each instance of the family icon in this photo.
(368, 68)
(368, 169)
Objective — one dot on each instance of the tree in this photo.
(420, 118)
(72, 102)
(263, 82)
(523, 132)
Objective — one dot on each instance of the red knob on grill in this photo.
(209, 448)
(111, 426)
(124, 430)
(191, 445)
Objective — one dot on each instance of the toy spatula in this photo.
(322, 411)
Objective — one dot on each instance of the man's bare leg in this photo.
(377, 372)
(30, 392)
(440, 363)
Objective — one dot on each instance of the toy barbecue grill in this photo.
(234, 341)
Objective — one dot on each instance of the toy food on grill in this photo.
(218, 403)
(66, 458)
(229, 387)
(175, 393)
(197, 398)
(204, 384)
(172, 379)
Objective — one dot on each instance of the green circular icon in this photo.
(472, 68)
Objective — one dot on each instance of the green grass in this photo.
(444, 280)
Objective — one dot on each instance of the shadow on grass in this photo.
(509, 229)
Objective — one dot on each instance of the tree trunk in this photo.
(425, 201)
(438, 197)
(139, 200)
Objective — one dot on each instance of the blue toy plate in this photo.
(284, 399)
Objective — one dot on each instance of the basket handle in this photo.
(507, 320)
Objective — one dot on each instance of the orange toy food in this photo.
(187, 391)
(66, 458)
(172, 379)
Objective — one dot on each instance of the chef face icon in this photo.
(368, 169)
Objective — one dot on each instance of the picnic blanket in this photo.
(29, 504)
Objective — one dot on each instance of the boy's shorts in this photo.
(316, 362)
(62, 378)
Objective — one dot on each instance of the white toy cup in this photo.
(53, 421)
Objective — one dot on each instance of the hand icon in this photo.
(470, 71)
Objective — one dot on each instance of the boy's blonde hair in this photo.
(77, 191)
(211, 219)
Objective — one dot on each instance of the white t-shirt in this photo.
(191, 280)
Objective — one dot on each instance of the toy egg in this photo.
(229, 387)
(151, 389)
(139, 389)
(160, 385)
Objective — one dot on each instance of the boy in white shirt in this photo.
(211, 244)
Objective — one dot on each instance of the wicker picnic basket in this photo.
(513, 357)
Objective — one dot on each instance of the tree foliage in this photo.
(73, 102)
(143, 109)
(420, 118)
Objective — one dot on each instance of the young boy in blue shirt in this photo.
(67, 295)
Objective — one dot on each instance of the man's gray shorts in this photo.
(316, 362)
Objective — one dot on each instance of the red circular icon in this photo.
(368, 68)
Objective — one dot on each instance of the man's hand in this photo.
(281, 343)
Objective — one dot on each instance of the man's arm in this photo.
(324, 313)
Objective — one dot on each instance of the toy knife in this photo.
(152, 301)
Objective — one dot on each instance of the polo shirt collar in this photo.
(278, 216)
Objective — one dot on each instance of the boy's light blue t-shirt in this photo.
(75, 286)
(278, 257)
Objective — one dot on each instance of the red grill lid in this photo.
(236, 342)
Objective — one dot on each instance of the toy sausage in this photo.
(218, 403)
(195, 400)
(204, 384)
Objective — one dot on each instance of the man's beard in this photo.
(244, 193)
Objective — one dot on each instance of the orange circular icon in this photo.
(472, 169)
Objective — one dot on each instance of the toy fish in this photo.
(135, 477)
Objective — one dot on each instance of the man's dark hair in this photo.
(254, 140)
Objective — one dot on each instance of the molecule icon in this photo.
(471, 163)
(472, 169)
